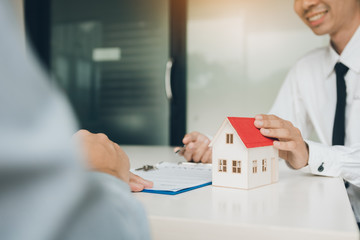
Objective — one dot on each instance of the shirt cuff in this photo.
(323, 160)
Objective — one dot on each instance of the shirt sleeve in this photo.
(336, 161)
(46, 192)
(108, 212)
(289, 104)
(323, 159)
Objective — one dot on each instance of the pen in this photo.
(181, 150)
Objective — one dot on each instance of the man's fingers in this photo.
(196, 145)
(206, 158)
(285, 146)
(82, 132)
(284, 154)
(272, 124)
(266, 117)
(202, 147)
(139, 180)
(188, 138)
(136, 187)
(277, 133)
(191, 137)
(138, 184)
(291, 145)
(189, 151)
(271, 121)
(197, 156)
(179, 150)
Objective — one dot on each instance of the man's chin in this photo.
(319, 31)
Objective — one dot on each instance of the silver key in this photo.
(146, 168)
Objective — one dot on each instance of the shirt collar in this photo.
(350, 56)
(332, 57)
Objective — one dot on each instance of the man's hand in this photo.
(103, 155)
(290, 143)
(196, 148)
(138, 184)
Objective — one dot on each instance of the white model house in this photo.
(242, 157)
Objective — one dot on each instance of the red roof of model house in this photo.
(249, 134)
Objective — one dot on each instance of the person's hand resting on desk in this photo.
(291, 145)
(196, 148)
(103, 155)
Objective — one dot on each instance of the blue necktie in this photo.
(339, 122)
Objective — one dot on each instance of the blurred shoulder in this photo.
(313, 58)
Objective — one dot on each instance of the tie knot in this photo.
(341, 69)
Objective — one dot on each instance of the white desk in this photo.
(299, 206)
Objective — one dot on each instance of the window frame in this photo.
(229, 138)
(254, 166)
(264, 165)
(222, 165)
(236, 166)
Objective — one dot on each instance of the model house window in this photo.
(229, 138)
(264, 164)
(236, 166)
(222, 165)
(254, 166)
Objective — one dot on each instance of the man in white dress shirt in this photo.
(45, 190)
(309, 98)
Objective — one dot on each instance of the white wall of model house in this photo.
(266, 163)
(229, 152)
(259, 166)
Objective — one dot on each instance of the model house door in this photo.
(274, 170)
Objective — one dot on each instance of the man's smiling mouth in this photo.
(316, 18)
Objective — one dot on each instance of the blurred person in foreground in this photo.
(45, 190)
(321, 93)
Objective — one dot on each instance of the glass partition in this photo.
(110, 57)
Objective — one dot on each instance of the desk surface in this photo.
(300, 206)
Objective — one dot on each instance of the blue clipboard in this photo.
(172, 178)
(175, 192)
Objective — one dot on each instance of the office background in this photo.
(239, 53)
(113, 59)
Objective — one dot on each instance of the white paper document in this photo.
(173, 178)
